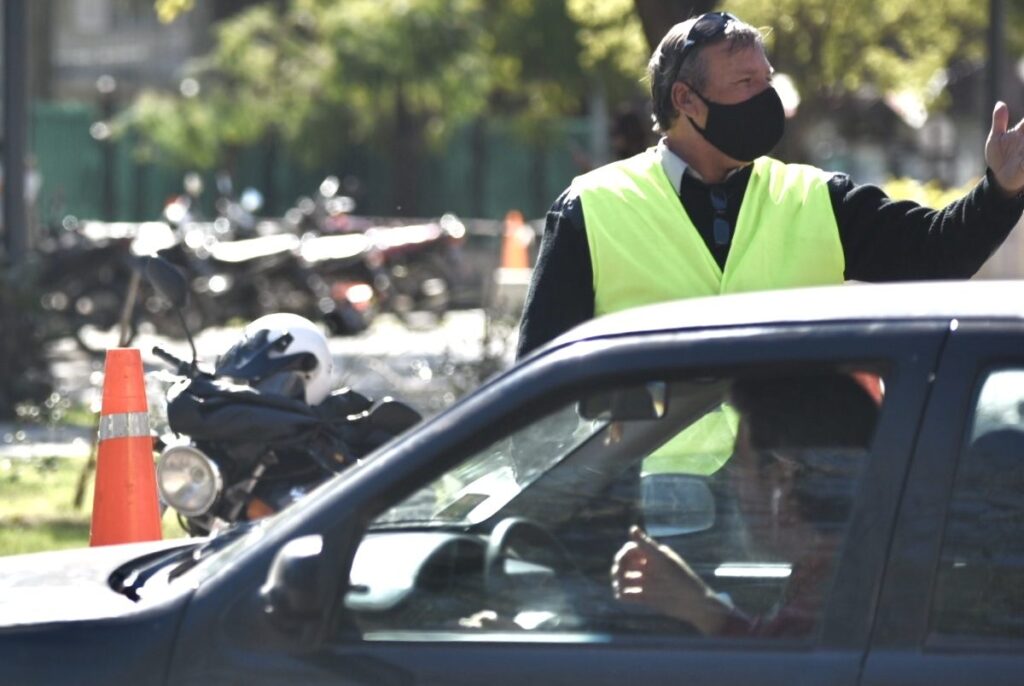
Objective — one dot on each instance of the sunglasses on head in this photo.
(708, 27)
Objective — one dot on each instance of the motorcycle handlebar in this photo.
(182, 367)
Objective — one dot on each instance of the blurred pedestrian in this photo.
(707, 212)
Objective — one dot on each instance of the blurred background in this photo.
(193, 126)
(384, 166)
(423, 107)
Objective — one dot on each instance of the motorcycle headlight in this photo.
(188, 480)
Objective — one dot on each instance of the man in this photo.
(799, 451)
(706, 212)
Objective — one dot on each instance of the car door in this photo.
(952, 607)
(402, 644)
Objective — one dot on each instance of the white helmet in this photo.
(282, 353)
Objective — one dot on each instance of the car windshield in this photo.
(468, 494)
(491, 478)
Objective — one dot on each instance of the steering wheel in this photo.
(533, 543)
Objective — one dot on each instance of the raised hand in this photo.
(1004, 151)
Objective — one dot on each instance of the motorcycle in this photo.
(411, 268)
(421, 264)
(264, 427)
(325, 212)
(250, 277)
(350, 272)
(403, 270)
(234, 217)
(86, 269)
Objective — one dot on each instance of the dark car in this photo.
(841, 468)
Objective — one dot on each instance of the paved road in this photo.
(427, 367)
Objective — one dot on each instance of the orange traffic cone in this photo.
(516, 242)
(125, 507)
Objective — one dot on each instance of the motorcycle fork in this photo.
(240, 494)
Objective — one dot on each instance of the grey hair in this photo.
(664, 69)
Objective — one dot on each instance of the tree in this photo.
(833, 50)
(658, 16)
(843, 56)
(168, 10)
(318, 75)
(833, 47)
(24, 335)
(400, 75)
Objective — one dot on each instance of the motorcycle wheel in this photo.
(425, 295)
(345, 321)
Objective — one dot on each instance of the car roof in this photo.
(851, 302)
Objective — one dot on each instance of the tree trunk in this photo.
(406, 144)
(222, 9)
(658, 16)
(270, 175)
(478, 167)
(40, 65)
(539, 192)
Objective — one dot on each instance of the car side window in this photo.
(558, 527)
(981, 572)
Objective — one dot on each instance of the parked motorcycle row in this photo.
(319, 261)
(85, 277)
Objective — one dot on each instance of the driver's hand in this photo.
(653, 575)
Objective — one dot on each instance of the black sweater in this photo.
(883, 240)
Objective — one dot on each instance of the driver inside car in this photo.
(799, 445)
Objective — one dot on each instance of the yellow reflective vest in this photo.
(644, 249)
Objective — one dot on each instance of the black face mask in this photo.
(746, 130)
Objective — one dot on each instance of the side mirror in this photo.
(166, 279)
(292, 594)
(676, 504)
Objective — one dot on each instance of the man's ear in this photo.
(685, 101)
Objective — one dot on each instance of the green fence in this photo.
(83, 177)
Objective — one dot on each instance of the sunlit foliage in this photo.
(168, 10)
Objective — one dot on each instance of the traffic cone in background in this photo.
(125, 508)
(516, 242)
(512, 277)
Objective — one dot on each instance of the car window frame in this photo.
(901, 639)
(967, 643)
(913, 346)
(225, 626)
